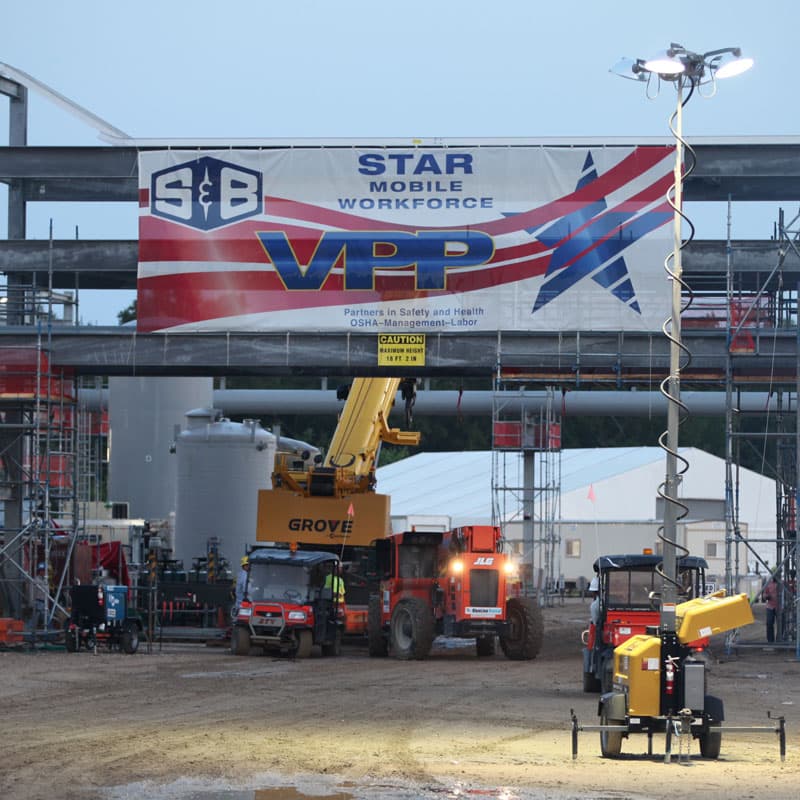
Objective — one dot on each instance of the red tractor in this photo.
(458, 583)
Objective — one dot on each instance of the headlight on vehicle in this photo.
(510, 568)
(297, 616)
(457, 566)
(246, 611)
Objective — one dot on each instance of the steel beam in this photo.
(758, 171)
(574, 359)
(88, 264)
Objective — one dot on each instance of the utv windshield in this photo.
(285, 582)
(631, 588)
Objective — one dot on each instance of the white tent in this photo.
(603, 491)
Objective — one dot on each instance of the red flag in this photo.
(350, 510)
(591, 494)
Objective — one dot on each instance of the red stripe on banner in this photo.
(180, 299)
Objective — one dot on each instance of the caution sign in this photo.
(401, 350)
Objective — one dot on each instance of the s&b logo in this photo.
(206, 193)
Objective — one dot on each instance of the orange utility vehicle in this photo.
(628, 597)
(289, 604)
(458, 583)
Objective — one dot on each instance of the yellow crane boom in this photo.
(336, 500)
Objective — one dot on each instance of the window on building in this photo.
(711, 549)
(573, 548)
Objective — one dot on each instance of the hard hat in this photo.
(594, 586)
(245, 561)
(41, 566)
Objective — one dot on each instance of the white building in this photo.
(608, 502)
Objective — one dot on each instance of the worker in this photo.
(241, 582)
(40, 592)
(686, 589)
(769, 594)
(334, 581)
(594, 608)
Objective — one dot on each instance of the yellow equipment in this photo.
(659, 680)
(336, 502)
(712, 614)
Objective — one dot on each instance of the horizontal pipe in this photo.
(273, 402)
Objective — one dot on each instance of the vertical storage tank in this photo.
(144, 416)
(221, 467)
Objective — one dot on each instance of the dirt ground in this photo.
(76, 724)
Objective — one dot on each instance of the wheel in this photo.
(411, 629)
(130, 639)
(305, 641)
(711, 742)
(72, 640)
(333, 648)
(607, 673)
(525, 631)
(376, 641)
(590, 682)
(485, 645)
(610, 741)
(240, 641)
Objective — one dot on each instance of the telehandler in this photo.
(458, 583)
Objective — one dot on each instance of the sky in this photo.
(351, 68)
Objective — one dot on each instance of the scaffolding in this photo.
(526, 482)
(38, 435)
(753, 312)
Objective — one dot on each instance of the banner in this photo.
(391, 240)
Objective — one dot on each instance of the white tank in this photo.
(221, 467)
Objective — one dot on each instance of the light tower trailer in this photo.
(660, 686)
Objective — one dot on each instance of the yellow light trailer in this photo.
(659, 683)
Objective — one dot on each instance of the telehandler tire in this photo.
(411, 630)
(523, 639)
(240, 641)
(377, 644)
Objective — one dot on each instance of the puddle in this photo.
(318, 787)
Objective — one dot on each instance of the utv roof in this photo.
(641, 561)
(274, 555)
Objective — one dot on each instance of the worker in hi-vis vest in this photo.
(334, 581)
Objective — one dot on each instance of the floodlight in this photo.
(665, 63)
(736, 66)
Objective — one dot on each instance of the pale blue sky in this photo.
(310, 68)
